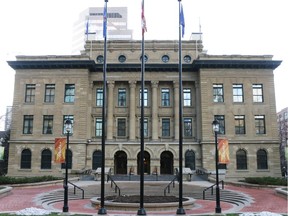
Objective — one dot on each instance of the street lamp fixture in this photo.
(215, 126)
(68, 127)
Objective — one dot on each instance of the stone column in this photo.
(176, 110)
(154, 110)
(198, 113)
(132, 110)
(110, 99)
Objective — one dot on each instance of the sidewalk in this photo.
(264, 199)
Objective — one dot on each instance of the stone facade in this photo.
(200, 73)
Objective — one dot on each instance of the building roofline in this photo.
(196, 65)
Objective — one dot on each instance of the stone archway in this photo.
(166, 163)
(146, 163)
(120, 162)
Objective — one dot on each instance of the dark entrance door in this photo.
(146, 163)
(166, 163)
(120, 162)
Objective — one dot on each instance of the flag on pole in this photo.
(143, 20)
(105, 21)
(223, 149)
(87, 29)
(60, 148)
(182, 21)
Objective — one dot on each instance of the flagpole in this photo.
(102, 210)
(180, 210)
(141, 210)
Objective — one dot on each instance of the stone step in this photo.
(150, 188)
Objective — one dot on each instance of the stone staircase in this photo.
(150, 188)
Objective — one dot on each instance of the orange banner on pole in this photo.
(223, 149)
(60, 148)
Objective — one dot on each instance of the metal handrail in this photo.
(167, 188)
(117, 188)
(211, 187)
(75, 186)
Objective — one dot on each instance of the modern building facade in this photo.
(89, 26)
(282, 119)
(236, 90)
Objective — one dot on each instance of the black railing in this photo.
(167, 188)
(117, 188)
(212, 190)
(75, 186)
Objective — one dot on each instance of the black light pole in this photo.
(215, 125)
(180, 210)
(68, 126)
(102, 209)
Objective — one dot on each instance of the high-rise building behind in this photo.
(89, 26)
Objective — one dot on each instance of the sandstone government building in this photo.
(237, 90)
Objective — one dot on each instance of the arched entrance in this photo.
(146, 163)
(190, 159)
(120, 162)
(166, 163)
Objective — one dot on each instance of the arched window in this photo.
(241, 160)
(262, 162)
(96, 160)
(25, 159)
(190, 159)
(69, 161)
(46, 158)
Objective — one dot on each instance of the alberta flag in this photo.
(182, 21)
(105, 21)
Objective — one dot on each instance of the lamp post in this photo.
(215, 125)
(68, 126)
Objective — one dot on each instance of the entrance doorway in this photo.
(120, 162)
(166, 163)
(146, 163)
(190, 159)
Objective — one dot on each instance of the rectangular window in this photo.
(121, 127)
(49, 93)
(28, 124)
(258, 93)
(47, 124)
(218, 93)
(187, 127)
(221, 120)
(121, 97)
(69, 93)
(165, 97)
(187, 99)
(238, 93)
(165, 127)
(71, 118)
(30, 93)
(98, 127)
(239, 124)
(260, 124)
(145, 97)
(99, 97)
(145, 127)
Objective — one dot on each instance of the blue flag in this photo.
(87, 27)
(105, 21)
(182, 21)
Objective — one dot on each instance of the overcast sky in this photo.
(247, 27)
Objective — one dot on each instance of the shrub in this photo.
(4, 180)
(266, 181)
